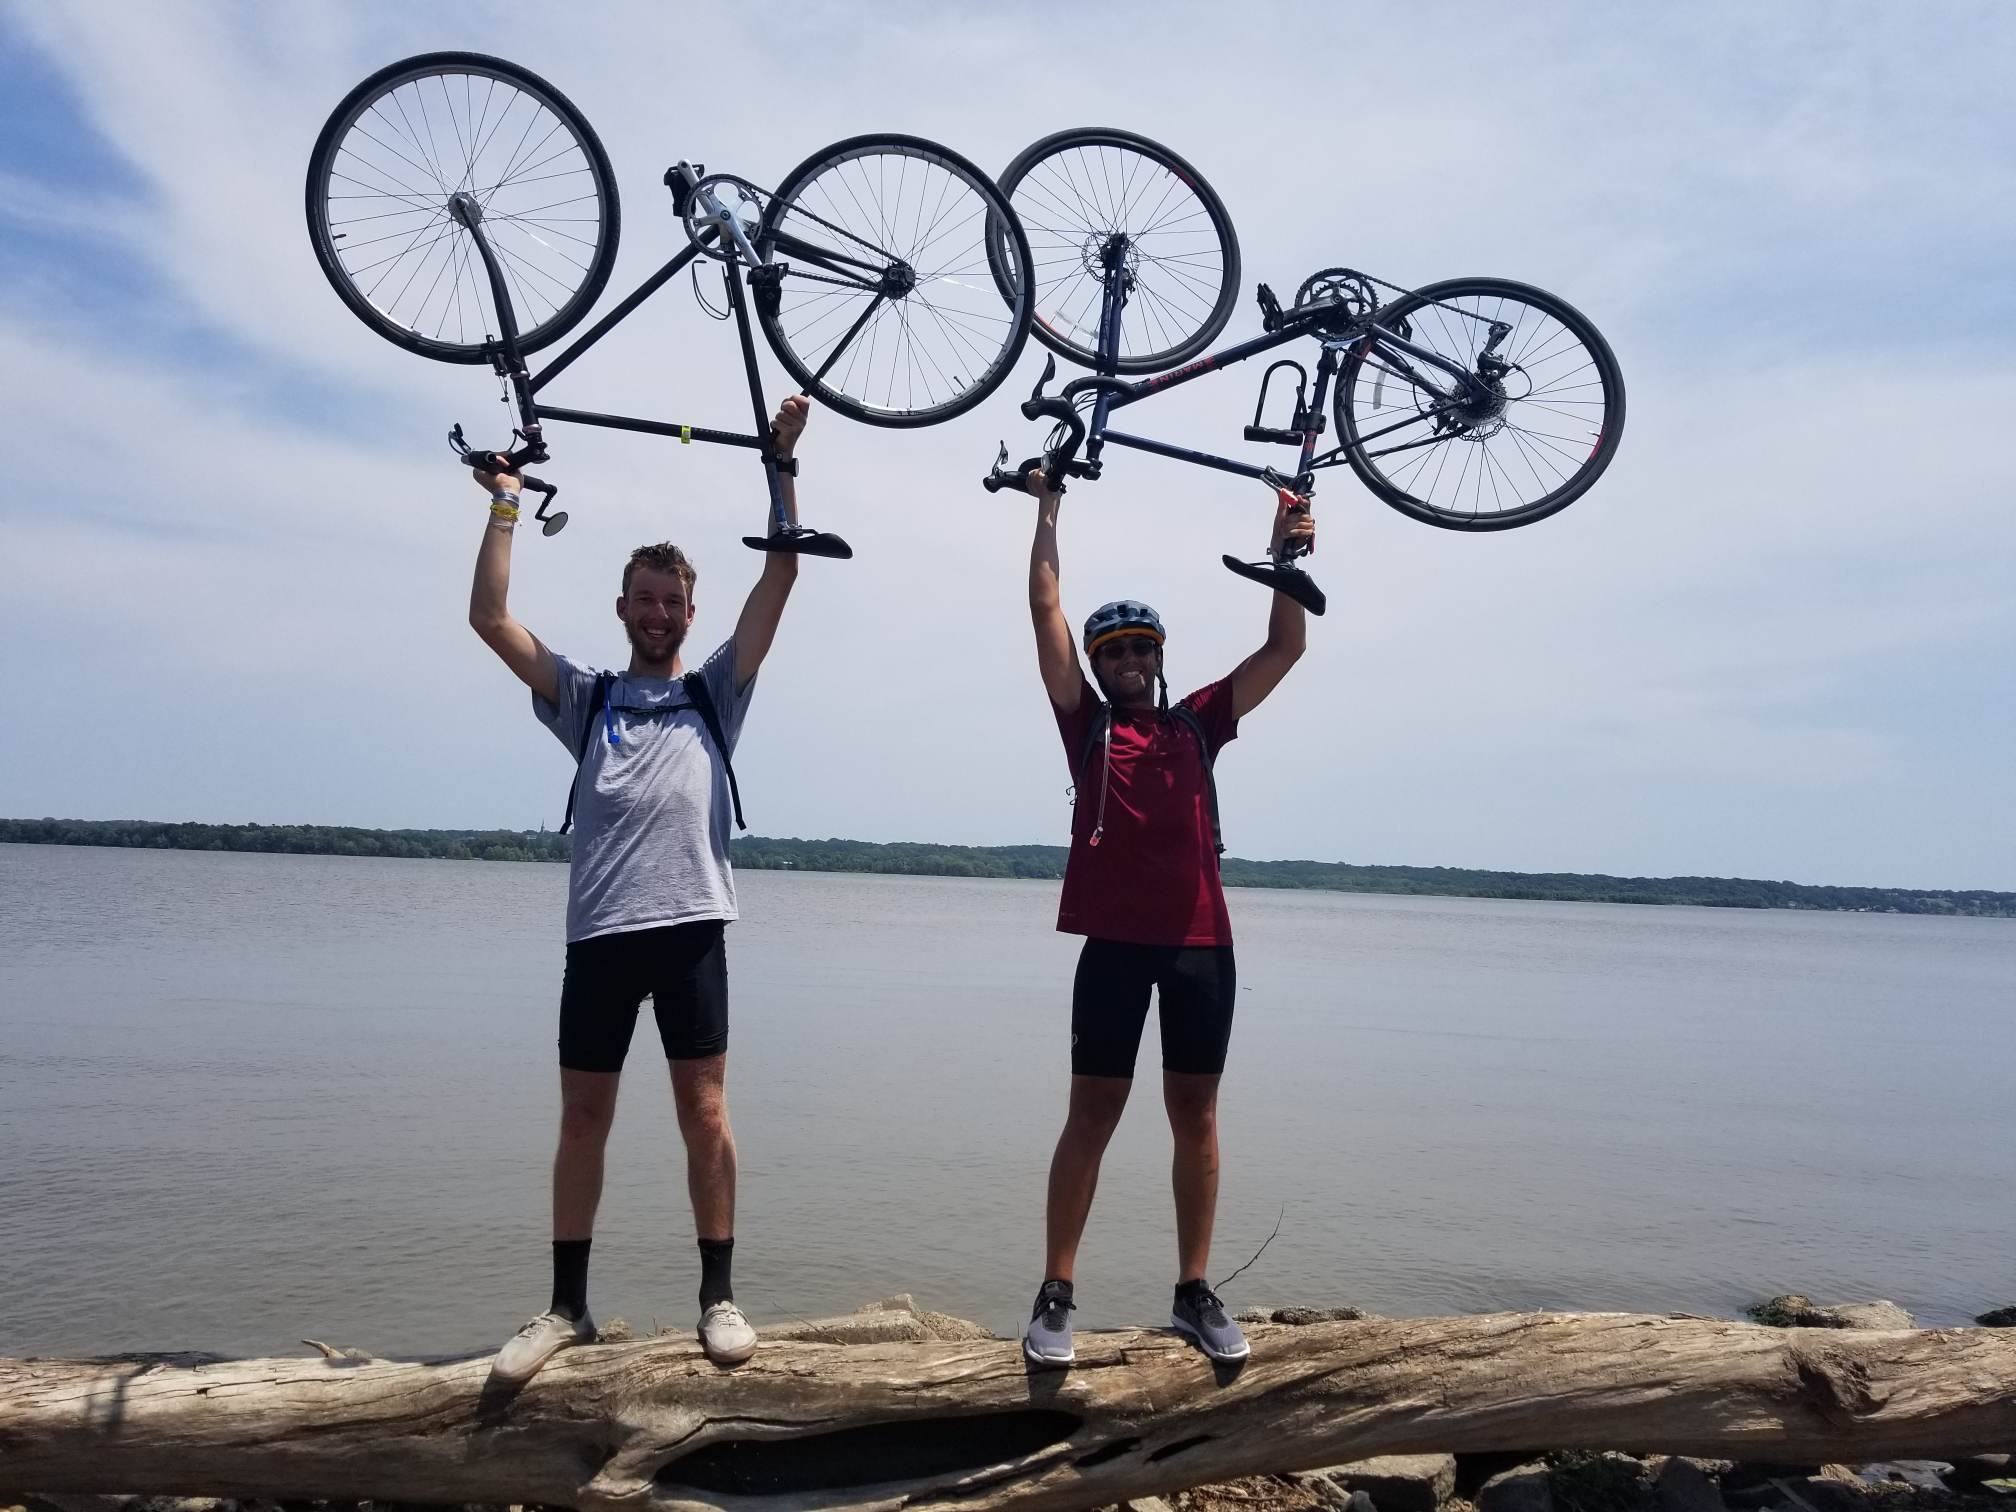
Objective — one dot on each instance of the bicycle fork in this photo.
(509, 364)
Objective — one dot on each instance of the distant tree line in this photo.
(759, 853)
(292, 839)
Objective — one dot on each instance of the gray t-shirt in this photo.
(651, 808)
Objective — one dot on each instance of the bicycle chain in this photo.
(766, 199)
(1340, 274)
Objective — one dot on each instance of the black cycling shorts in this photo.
(1109, 1006)
(683, 968)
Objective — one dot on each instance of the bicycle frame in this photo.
(1313, 320)
(509, 362)
(1329, 320)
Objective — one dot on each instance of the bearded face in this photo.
(656, 614)
(1125, 668)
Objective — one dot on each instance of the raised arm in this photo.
(1056, 651)
(1287, 626)
(765, 605)
(518, 647)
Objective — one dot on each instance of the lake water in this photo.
(245, 1099)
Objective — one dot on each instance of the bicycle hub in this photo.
(1102, 254)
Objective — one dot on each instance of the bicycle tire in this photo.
(979, 330)
(1584, 403)
(535, 263)
(1065, 215)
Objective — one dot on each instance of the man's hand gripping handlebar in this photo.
(513, 462)
(1061, 460)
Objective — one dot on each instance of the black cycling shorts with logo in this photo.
(682, 968)
(1109, 1006)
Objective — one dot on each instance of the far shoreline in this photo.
(1027, 862)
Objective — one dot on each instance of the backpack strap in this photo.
(1185, 716)
(703, 701)
(1094, 733)
(597, 701)
(695, 688)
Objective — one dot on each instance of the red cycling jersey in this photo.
(1153, 877)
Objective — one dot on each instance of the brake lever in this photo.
(1049, 372)
(1003, 476)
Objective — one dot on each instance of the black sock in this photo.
(717, 1260)
(1191, 1291)
(570, 1278)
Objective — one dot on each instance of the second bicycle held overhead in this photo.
(1474, 404)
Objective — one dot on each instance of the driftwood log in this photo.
(921, 1420)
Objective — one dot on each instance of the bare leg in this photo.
(700, 1093)
(1192, 1102)
(587, 1110)
(1096, 1105)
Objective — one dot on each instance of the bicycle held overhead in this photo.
(1473, 404)
(464, 210)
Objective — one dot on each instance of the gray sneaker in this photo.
(726, 1335)
(538, 1341)
(1201, 1315)
(1047, 1339)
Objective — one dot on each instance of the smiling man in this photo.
(1141, 884)
(649, 892)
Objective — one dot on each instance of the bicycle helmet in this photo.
(1122, 617)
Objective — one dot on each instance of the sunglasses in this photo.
(1130, 645)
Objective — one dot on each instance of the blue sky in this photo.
(1774, 641)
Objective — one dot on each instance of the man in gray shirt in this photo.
(649, 893)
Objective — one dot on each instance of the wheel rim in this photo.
(908, 226)
(1532, 445)
(383, 214)
(1073, 202)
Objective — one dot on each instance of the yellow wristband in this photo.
(505, 511)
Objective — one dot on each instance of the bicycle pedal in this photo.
(767, 283)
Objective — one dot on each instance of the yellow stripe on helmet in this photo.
(1141, 630)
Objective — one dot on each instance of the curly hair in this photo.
(664, 557)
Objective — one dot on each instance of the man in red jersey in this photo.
(1142, 886)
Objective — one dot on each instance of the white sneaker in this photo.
(538, 1341)
(726, 1335)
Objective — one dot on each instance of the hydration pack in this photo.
(699, 700)
(1101, 732)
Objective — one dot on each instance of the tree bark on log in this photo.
(935, 1423)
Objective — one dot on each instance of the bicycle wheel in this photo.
(1077, 190)
(1550, 428)
(884, 308)
(421, 130)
